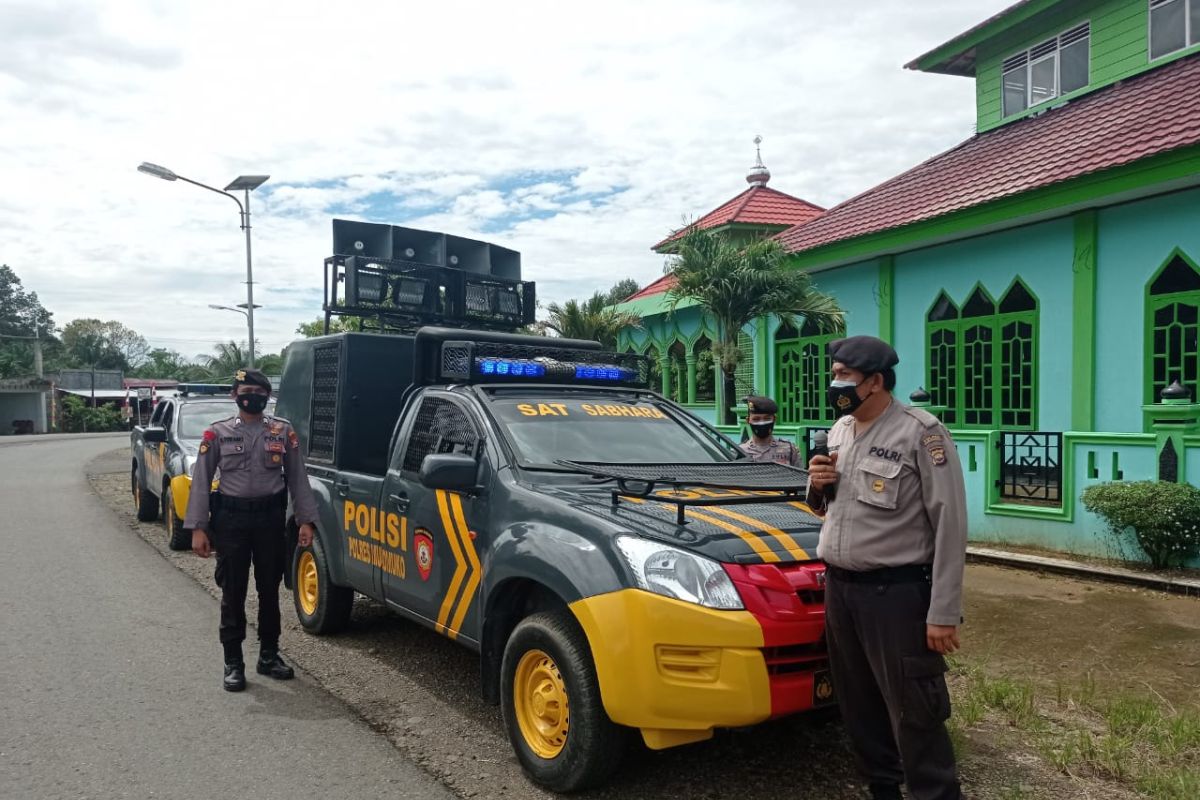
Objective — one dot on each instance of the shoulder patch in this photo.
(922, 416)
(209, 435)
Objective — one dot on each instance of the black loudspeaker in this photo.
(421, 247)
(505, 263)
(467, 255)
(369, 239)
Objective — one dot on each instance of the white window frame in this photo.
(1056, 54)
(1188, 34)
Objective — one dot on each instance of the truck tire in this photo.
(551, 704)
(178, 537)
(321, 606)
(146, 503)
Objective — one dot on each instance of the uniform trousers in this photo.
(891, 688)
(242, 538)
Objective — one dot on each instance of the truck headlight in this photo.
(672, 572)
(189, 464)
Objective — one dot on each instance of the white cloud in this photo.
(577, 135)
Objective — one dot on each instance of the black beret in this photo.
(864, 353)
(761, 405)
(252, 377)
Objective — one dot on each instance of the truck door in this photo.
(160, 460)
(363, 526)
(439, 583)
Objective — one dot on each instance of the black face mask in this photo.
(763, 429)
(252, 403)
(843, 397)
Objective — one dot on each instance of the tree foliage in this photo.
(336, 325)
(78, 417)
(103, 344)
(1164, 516)
(21, 315)
(621, 291)
(736, 283)
(593, 319)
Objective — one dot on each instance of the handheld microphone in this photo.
(820, 447)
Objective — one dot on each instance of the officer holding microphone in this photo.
(890, 489)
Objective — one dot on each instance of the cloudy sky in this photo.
(578, 134)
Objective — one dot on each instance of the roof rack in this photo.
(751, 481)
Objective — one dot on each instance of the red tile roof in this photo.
(660, 286)
(1144, 116)
(758, 205)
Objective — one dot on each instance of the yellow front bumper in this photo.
(181, 487)
(673, 669)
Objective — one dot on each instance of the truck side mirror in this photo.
(455, 472)
(154, 435)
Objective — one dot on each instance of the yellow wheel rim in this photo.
(306, 584)
(540, 700)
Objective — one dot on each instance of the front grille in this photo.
(794, 658)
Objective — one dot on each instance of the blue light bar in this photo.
(601, 373)
(510, 369)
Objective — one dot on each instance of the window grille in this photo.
(326, 366)
(1031, 468)
(440, 427)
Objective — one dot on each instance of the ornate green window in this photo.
(1173, 320)
(982, 358)
(941, 331)
(802, 374)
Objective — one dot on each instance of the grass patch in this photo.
(1137, 741)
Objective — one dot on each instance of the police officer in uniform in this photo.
(259, 461)
(762, 446)
(894, 539)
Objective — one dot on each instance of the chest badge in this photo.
(877, 486)
(275, 459)
(423, 547)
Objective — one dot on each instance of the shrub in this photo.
(1164, 516)
(78, 417)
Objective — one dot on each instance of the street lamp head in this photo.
(247, 182)
(157, 171)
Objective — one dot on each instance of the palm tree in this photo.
(738, 283)
(590, 319)
(227, 359)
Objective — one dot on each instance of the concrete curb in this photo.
(1078, 569)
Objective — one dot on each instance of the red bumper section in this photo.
(789, 603)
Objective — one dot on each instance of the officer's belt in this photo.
(908, 573)
(271, 501)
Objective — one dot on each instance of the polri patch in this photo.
(294, 439)
(937, 453)
(203, 447)
(423, 545)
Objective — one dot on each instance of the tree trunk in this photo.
(729, 416)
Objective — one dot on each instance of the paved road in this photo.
(111, 669)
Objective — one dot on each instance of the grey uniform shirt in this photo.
(779, 451)
(257, 459)
(900, 500)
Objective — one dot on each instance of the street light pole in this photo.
(247, 183)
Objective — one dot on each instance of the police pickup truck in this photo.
(164, 451)
(615, 562)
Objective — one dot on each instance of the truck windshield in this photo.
(194, 418)
(546, 429)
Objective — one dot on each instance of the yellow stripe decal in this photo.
(803, 507)
(756, 544)
(789, 544)
(472, 582)
(459, 569)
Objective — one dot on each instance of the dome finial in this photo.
(759, 174)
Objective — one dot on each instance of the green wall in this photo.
(1119, 50)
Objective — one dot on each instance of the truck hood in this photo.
(755, 533)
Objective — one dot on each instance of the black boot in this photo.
(235, 676)
(885, 791)
(269, 663)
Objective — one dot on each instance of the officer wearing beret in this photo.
(260, 462)
(762, 446)
(894, 541)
